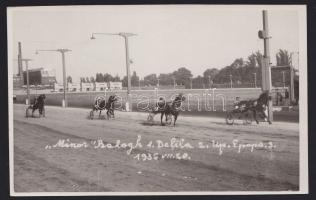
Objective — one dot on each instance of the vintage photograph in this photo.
(157, 100)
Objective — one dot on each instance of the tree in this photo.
(241, 71)
(124, 81)
(150, 79)
(107, 77)
(87, 80)
(134, 79)
(223, 75)
(209, 74)
(283, 58)
(182, 76)
(116, 78)
(166, 79)
(92, 80)
(252, 61)
(259, 58)
(198, 82)
(82, 80)
(69, 79)
(99, 77)
(239, 62)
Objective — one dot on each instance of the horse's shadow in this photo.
(150, 123)
(155, 123)
(34, 116)
(101, 117)
(235, 124)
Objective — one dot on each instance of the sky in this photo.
(168, 36)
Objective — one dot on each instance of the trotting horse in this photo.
(257, 106)
(173, 108)
(260, 106)
(39, 103)
(100, 104)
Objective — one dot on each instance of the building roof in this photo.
(34, 69)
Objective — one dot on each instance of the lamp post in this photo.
(191, 82)
(62, 51)
(266, 67)
(20, 62)
(283, 78)
(125, 36)
(139, 79)
(26, 60)
(292, 73)
(158, 82)
(255, 76)
(27, 80)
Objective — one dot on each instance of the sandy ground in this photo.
(41, 167)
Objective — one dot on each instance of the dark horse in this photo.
(39, 103)
(173, 108)
(260, 106)
(257, 106)
(100, 105)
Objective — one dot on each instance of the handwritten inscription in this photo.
(177, 148)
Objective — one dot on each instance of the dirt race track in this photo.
(41, 167)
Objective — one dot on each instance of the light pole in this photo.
(292, 74)
(139, 79)
(158, 82)
(62, 51)
(20, 62)
(27, 80)
(231, 81)
(283, 78)
(26, 60)
(191, 82)
(125, 36)
(255, 75)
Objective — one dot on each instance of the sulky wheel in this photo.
(150, 117)
(27, 112)
(91, 114)
(169, 119)
(110, 114)
(247, 118)
(230, 118)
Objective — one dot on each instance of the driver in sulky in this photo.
(236, 102)
(161, 103)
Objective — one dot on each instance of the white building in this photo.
(101, 86)
(58, 87)
(115, 85)
(73, 87)
(87, 87)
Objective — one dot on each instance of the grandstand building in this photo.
(37, 76)
(40, 76)
(115, 85)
